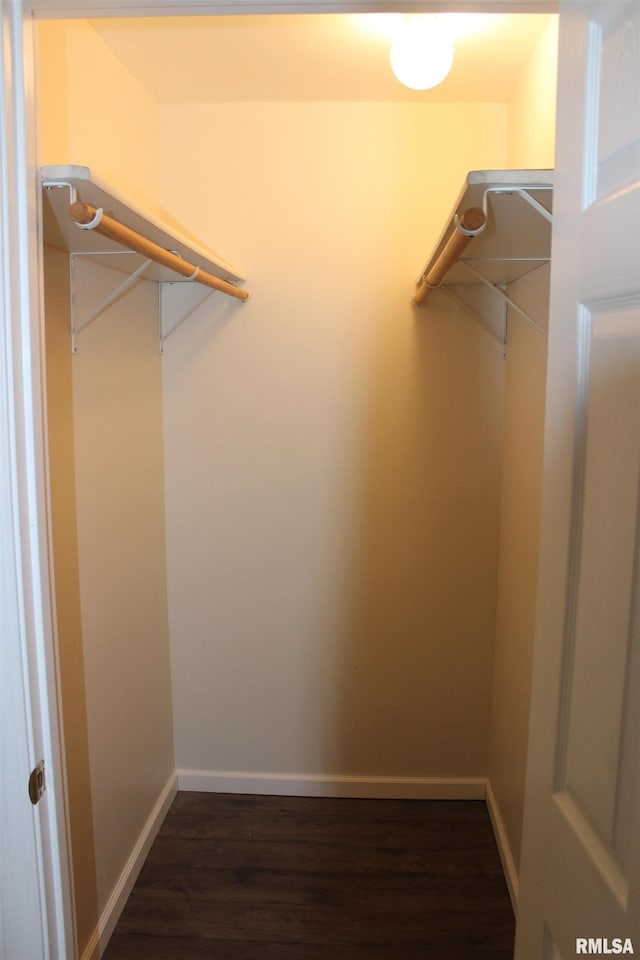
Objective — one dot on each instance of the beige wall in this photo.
(524, 400)
(332, 456)
(107, 485)
(94, 113)
(121, 551)
(67, 588)
(108, 533)
(531, 138)
(532, 107)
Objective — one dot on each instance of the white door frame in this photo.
(29, 724)
(21, 338)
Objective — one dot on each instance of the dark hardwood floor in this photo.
(292, 878)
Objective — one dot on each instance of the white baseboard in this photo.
(304, 785)
(317, 785)
(504, 848)
(92, 949)
(115, 905)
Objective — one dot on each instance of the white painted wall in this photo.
(531, 139)
(532, 107)
(524, 393)
(93, 112)
(121, 552)
(67, 587)
(332, 457)
(109, 548)
(107, 486)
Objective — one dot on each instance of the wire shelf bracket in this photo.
(176, 305)
(185, 272)
(517, 242)
(104, 304)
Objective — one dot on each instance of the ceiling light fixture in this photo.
(421, 53)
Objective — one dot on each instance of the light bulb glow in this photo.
(421, 54)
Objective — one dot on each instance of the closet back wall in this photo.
(332, 456)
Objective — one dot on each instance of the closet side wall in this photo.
(532, 107)
(119, 473)
(525, 378)
(93, 112)
(67, 589)
(107, 490)
(107, 500)
(332, 455)
(531, 138)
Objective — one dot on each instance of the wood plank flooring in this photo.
(299, 878)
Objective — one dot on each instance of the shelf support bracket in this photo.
(542, 210)
(177, 302)
(61, 184)
(522, 191)
(505, 297)
(115, 295)
(463, 306)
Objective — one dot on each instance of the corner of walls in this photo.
(125, 883)
(110, 915)
(504, 847)
(95, 113)
(532, 108)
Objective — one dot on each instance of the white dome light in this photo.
(421, 54)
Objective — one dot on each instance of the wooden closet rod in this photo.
(472, 219)
(84, 214)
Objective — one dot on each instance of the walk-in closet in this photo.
(295, 534)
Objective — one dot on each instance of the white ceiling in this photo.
(313, 57)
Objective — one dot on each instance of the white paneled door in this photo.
(580, 883)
